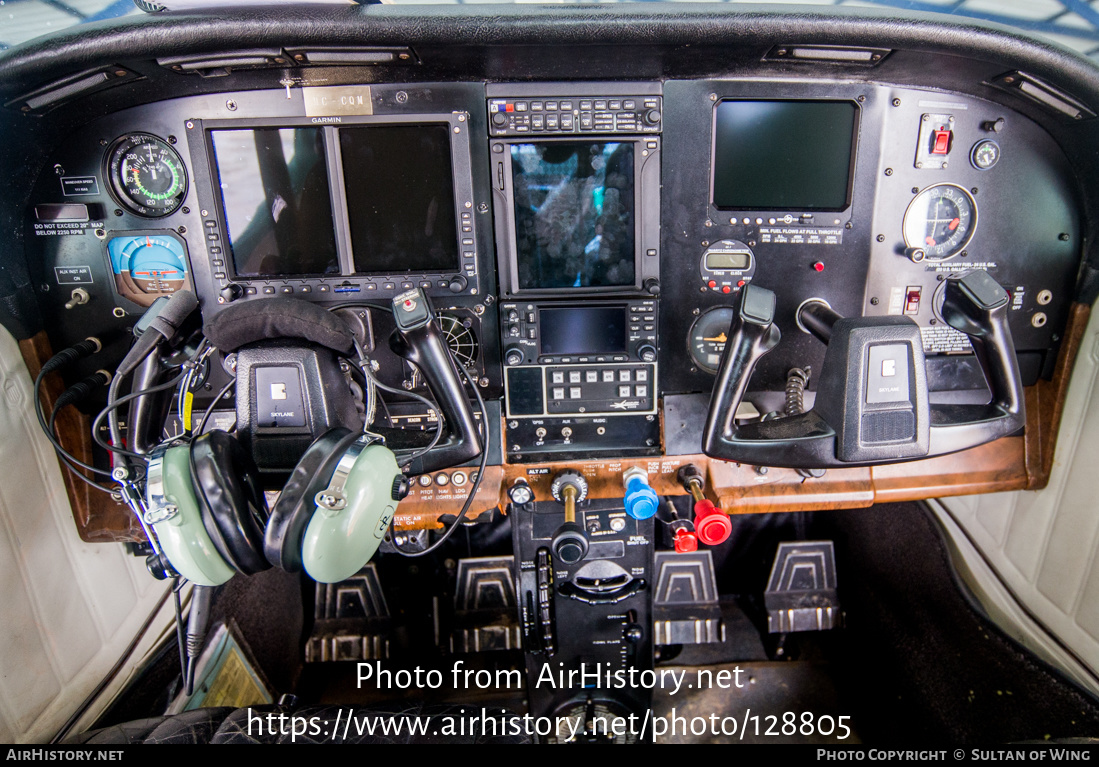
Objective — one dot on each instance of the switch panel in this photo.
(936, 139)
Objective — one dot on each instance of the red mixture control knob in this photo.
(685, 541)
(712, 525)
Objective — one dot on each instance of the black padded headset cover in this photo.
(234, 509)
(267, 318)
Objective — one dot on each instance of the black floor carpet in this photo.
(917, 664)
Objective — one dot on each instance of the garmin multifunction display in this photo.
(783, 155)
(374, 204)
(400, 198)
(574, 214)
(583, 330)
(274, 191)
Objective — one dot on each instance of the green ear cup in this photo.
(351, 522)
(174, 513)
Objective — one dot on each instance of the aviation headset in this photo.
(205, 501)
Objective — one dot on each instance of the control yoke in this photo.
(872, 405)
(419, 340)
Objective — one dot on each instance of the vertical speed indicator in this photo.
(147, 175)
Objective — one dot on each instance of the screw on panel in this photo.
(889, 171)
(881, 238)
(874, 301)
(896, 102)
(231, 105)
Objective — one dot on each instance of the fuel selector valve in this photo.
(570, 542)
(712, 525)
(641, 501)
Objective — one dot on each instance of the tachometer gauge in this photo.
(147, 176)
(707, 337)
(940, 221)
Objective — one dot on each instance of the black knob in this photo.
(652, 286)
(458, 283)
(159, 567)
(569, 477)
(513, 355)
(520, 493)
(231, 292)
(647, 352)
(569, 543)
(652, 117)
(499, 118)
(400, 488)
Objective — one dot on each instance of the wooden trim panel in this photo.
(1012, 463)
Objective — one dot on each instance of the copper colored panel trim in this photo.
(98, 517)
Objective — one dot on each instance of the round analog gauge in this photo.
(985, 154)
(147, 176)
(940, 220)
(460, 339)
(707, 337)
(147, 265)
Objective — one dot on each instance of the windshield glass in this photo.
(1072, 23)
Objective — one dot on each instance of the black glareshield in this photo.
(419, 341)
(872, 397)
